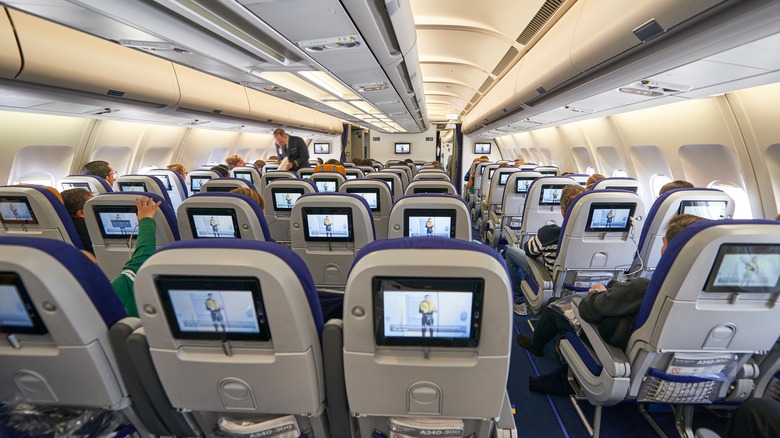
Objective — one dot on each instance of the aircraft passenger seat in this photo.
(275, 175)
(248, 173)
(706, 203)
(36, 211)
(380, 200)
(305, 172)
(94, 184)
(280, 196)
(618, 183)
(233, 330)
(143, 183)
(528, 167)
(430, 186)
(224, 215)
(327, 181)
(493, 198)
(354, 173)
(173, 183)
(223, 185)
(542, 205)
(58, 350)
(196, 179)
(270, 167)
(393, 181)
(480, 193)
(431, 175)
(548, 170)
(428, 328)
(581, 178)
(430, 215)
(112, 224)
(366, 169)
(327, 231)
(402, 172)
(597, 244)
(709, 307)
(507, 223)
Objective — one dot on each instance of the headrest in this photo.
(251, 202)
(331, 168)
(360, 199)
(293, 260)
(87, 273)
(657, 205)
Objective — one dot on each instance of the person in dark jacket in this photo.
(74, 200)
(293, 148)
(613, 308)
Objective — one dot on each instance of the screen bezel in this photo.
(474, 285)
(431, 212)
(280, 190)
(431, 190)
(333, 180)
(205, 179)
(517, 184)
(504, 177)
(692, 203)
(492, 172)
(19, 199)
(374, 190)
(191, 212)
(478, 151)
(76, 185)
(550, 186)
(625, 188)
(38, 327)
(114, 209)
(400, 152)
(306, 211)
(122, 184)
(732, 248)
(321, 151)
(219, 189)
(388, 181)
(165, 180)
(165, 283)
(612, 206)
(244, 172)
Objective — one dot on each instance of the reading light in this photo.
(294, 83)
(323, 80)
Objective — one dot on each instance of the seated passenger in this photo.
(178, 168)
(273, 159)
(544, 244)
(260, 164)
(234, 161)
(222, 170)
(250, 194)
(366, 162)
(100, 168)
(74, 200)
(356, 161)
(614, 309)
(678, 184)
(592, 180)
(437, 165)
(144, 248)
(756, 418)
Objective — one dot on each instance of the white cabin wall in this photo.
(68, 135)
(421, 149)
(755, 110)
(202, 146)
(552, 148)
(577, 143)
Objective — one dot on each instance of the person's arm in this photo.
(620, 299)
(145, 247)
(547, 235)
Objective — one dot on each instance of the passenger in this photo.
(437, 165)
(519, 162)
(544, 244)
(260, 164)
(356, 161)
(273, 159)
(592, 180)
(74, 200)
(235, 161)
(293, 148)
(777, 218)
(470, 185)
(567, 173)
(678, 184)
(222, 170)
(178, 168)
(334, 161)
(756, 418)
(145, 247)
(250, 194)
(366, 162)
(319, 161)
(614, 309)
(102, 169)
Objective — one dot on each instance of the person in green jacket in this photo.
(144, 248)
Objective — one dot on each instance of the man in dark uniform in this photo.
(293, 148)
(427, 308)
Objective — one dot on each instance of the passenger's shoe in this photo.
(520, 309)
(525, 342)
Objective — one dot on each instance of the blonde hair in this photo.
(233, 160)
(592, 180)
(178, 168)
(249, 193)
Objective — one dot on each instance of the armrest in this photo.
(335, 383)
(613, 359)
(493, 218)
(540, 273)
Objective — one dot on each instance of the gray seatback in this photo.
(537, 215)
(376, 193)
(430, 186)
(225, 185)
(277, 210)
(418, 208)
(325, 180)
(234, 214)
(248, 173)
(173, 183)
(196, 179)
(391, 178)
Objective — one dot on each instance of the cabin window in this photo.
(619, 173)
(590, 170)
(741, 202)
(146, 169)
(36, 178)
(657, 181)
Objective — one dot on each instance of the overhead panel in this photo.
(10, 59)
(208, 95)
(57, 56)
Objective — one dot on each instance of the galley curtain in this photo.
(344, 138)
